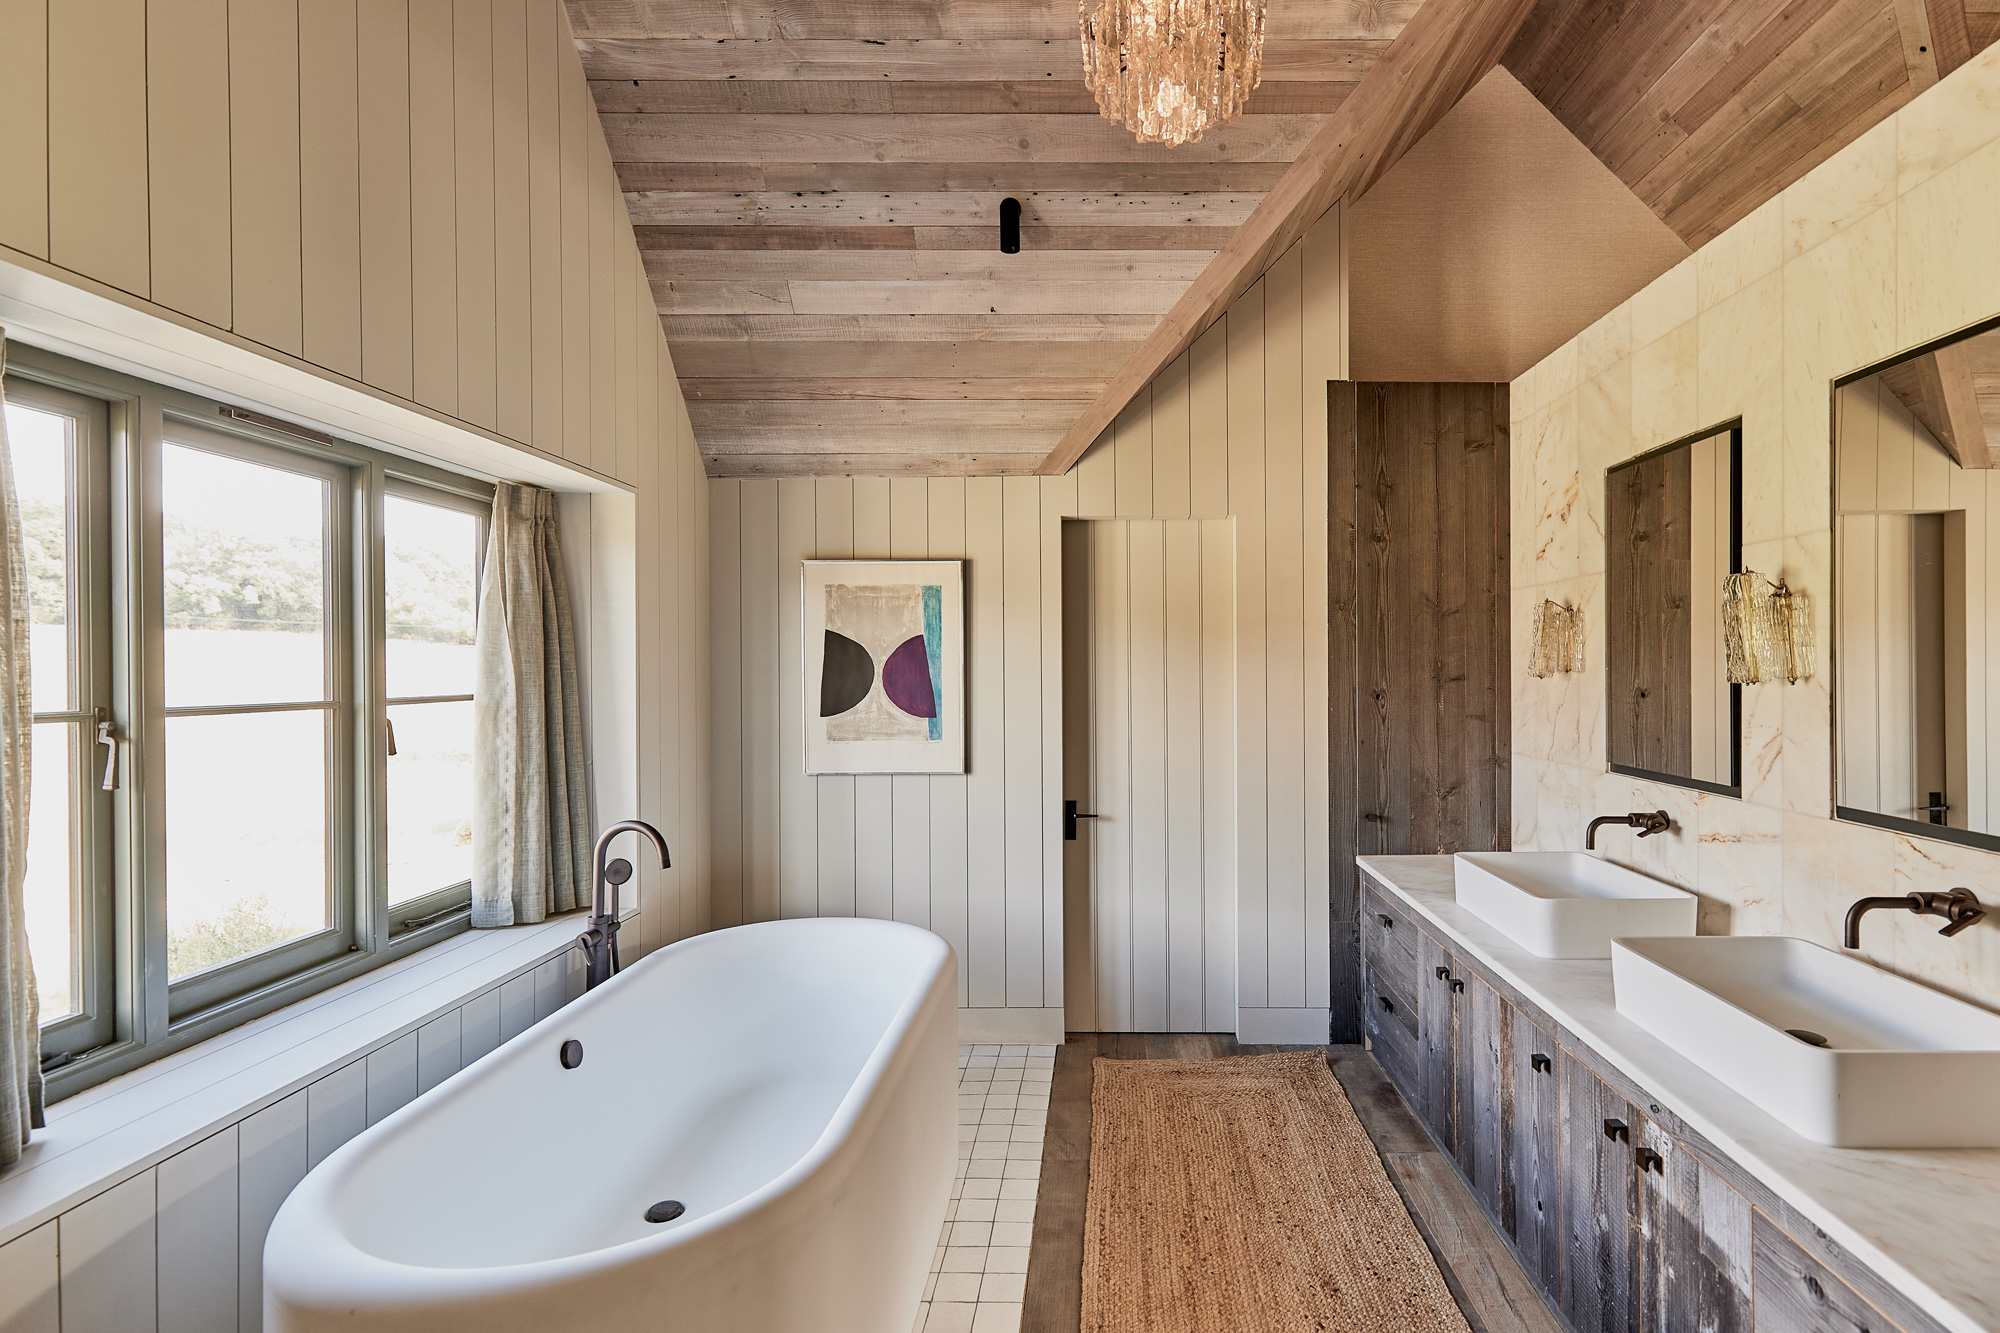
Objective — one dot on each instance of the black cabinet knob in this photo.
(1383, 1000)
(1650, 1160)
(1388, 922)
(1541, 1064)
(1444, 974)
(1617, 1132)
(1457, 984)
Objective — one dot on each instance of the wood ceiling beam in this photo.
(1448, 46)
(1950, 38)
(1938, 389)
(1913, 24)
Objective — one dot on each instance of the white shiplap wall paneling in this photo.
(336, 1110)
(392, 1077)
(198, 1243)
(1234, 430)
(107, 1252)
(439, 1050)
(272, 1148)
(30, 1284)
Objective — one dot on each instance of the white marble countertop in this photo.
(1927, 1220)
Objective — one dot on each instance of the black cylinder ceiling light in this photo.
(1010, 226)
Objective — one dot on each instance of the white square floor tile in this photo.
(979, 1273)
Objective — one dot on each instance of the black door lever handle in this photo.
(1070, 815)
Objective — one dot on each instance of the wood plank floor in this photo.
(1490, 1285)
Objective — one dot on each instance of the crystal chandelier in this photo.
(1169, 69)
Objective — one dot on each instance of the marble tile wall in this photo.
(1889, 244)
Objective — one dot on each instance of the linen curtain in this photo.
(531, 800)
(20, 1035)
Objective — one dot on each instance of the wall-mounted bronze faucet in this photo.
(1648, 822)
(1959, 907)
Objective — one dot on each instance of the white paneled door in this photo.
(1148, 728)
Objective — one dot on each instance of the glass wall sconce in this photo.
(1767, 631)
(1558, 640)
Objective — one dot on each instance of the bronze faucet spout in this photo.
(1960, 908)
(1648, 822)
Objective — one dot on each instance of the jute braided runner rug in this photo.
(1243, 1195)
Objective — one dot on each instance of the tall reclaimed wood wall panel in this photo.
(426, 207)
(1233, 430)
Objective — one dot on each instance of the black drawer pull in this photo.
(1541, 1064)
(1388, 922)
(1616, 1131)
(1651, 1161)
(1444, 974)
(1383, 1000)
(1458, 983)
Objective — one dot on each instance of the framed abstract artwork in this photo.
(885, 666)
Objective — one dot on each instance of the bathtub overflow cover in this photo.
(666, 1210)
(572, 1053)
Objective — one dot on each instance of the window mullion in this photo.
(367, 651)
(139, 693)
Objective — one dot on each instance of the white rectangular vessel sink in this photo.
(1567, 904)
(1837, 1049)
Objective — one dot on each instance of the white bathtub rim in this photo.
(340, 1267)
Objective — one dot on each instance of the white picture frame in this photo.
(884, 658)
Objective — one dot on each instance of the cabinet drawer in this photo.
(1389, 942)
(1390, 1021)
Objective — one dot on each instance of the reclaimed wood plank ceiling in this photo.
(1708, 108)
(816, 186)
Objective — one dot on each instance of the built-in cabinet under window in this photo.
(1627, 1221)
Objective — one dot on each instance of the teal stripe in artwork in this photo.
(934, 647)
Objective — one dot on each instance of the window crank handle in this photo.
(107, 738)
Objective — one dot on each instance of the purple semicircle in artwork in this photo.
(906, 678)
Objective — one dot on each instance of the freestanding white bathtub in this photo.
(793, 1084)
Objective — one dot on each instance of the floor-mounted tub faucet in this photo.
(1648, 822)
(1960, 908)
(600, 942)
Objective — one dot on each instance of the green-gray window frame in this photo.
(132, 1013)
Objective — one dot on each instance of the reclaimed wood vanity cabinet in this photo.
(1627, 1220)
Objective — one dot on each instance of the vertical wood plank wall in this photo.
(1888, 468)
(1236, 429)
(424, 206)
(179, 1247)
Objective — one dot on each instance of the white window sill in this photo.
(128, 1124)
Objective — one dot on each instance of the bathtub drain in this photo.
(666, 1210)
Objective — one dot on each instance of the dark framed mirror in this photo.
(1916, 591)
(1673, 532)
